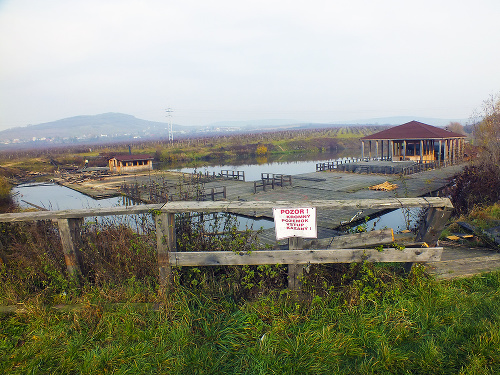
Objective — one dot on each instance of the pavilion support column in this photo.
(391, 150)
(439, 153)
(369, 150)
(421, 151)
(404, 150)
(362, 149)
(454, 151)
(376, 149)
(451, 151)
(382, 149)
(445, 152)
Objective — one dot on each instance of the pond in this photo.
(253, 171)
(54, 197)
(398, 220)
(51, 196)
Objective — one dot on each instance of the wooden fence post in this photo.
(295, 270)
(431, 229)
(69, 230)
(165, 244)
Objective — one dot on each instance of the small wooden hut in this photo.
(130, 163)
(415, 141)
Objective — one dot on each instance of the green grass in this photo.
(425, 328)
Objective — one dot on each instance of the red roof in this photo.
(414, 130)
(129, 157)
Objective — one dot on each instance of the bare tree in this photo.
(487, 130)
(478, 184)
(455, 127)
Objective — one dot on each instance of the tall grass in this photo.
(353, 319)
(438, 328)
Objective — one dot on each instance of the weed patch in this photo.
(440, 328)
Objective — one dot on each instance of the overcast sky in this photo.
(217, 60)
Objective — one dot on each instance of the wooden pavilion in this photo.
(416, 141)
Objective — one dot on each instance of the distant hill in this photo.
(114, 127)
(106, 126)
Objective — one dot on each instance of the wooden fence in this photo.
(347, 165)
(69, 222)
(272, 180)
(232, 175)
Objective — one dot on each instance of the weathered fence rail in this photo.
(354, 165)
(331, 165)
(272, 180)
(69, 222)
(232, 175)
(213, 193)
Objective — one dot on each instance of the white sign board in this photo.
(295, 222)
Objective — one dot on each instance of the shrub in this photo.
(261, 150)
(476, 185)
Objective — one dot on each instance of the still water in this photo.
(253, 171)
(55, 197)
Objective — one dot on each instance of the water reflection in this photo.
(54, 197)
(399, 220)
(253, 170)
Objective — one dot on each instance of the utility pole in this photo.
(170, 130)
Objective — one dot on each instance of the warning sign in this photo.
(295, 222)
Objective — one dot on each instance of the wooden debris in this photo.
(385, 186)
(356, 240)
(494, 233)
(471, 228)
(453, 238)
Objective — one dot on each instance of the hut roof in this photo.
(130, 157)
(413, 130)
